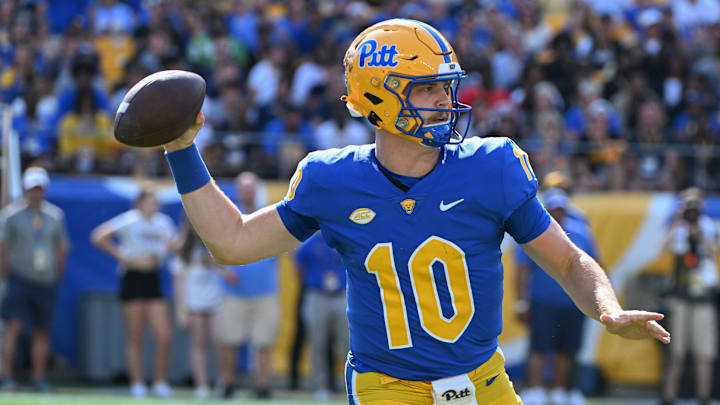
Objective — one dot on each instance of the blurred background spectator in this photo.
(33, 249)
(85, 137)
(635, 83)
(249, 312)
(197, 295)
(694, 241)
(323, 309)
(556, 324)
(140, 239)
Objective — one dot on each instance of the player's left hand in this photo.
(636, 325)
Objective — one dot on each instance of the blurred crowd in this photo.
(618, 94)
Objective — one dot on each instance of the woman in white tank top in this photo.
(140, 240)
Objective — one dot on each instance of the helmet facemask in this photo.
(411, 123)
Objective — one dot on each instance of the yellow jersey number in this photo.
(380, 262)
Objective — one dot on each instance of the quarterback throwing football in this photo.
(418, 218)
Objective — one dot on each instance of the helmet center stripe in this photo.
(438, 39)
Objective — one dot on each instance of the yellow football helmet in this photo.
(383, 64)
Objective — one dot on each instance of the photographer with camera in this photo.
(694, 242)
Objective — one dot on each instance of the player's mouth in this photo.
(438, 119)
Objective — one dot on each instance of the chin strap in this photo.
(439, 135)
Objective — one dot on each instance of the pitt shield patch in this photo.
(362, 216)
(408, 206)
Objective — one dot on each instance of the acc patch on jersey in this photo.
(362, 216)
(408, 205)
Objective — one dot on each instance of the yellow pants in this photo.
(492, 387)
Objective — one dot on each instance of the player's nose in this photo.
(442, 100)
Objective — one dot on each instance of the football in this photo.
(159, 108)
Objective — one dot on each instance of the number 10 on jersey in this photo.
(380, 262)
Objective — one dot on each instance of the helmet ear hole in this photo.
(374, 119)
(373, 98)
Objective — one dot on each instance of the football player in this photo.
(418, 218)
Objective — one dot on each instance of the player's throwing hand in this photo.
(636, 325)
(188, 137)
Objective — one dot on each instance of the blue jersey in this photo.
(424, 280)
(543, 288)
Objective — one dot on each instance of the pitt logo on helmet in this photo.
(362, 216)
(384, 57)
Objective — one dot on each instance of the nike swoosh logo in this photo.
(491, 380)
(444, 207)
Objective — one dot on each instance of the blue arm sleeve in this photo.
(300, 226)
(528, 221)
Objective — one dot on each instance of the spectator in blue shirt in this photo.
(324, 306)
(32, 119)
(249, 310)
(111, 16)
(555, 322)
(243, 25)
(290, 121)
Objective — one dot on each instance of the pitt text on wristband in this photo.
(188, 169)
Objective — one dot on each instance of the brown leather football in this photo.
(159, 108)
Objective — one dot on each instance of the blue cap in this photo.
(555, 198)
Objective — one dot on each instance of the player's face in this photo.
(432, 95)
